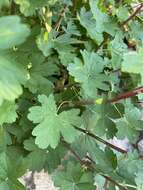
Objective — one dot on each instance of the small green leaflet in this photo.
(45, 42)
(122, 13)
(4, 3)
(136, 31)
(12, 76)
(104, 23)
(48, 42)
(29, 7)
(96, 22)
(117, 48)
(106, 160)
(8, 112)
(38, 73)
(49, 159)
(99, 181)
(106, 113)
(130, 125)
(74, 178)
(129, 167)
(72, 29)
(133, 62)
(90, 73)
(87, 21)
(108, 163)
(139, 180)
(39, 155)
(10, 170)
(52, 125)
(12, 32)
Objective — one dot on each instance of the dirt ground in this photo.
(38, 181)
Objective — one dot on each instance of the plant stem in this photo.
(121, 96)
(133, 14)
(114, 182)
(73, 152)
(74, 5)
(91, 167)
(127, 95)
(62, 14)
(101, 140)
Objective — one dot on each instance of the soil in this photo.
(38, 181)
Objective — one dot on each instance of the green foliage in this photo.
(11, 77)
(130, 125)
(64, 69)
(10, 170)
(52, 124)
(90, 74)
(28, 7)
(12, 32)
(39, 71)
(135, 65)
(9, 114)
(74, 177)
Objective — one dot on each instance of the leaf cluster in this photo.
(71, 79)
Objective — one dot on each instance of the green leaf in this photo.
(105, 124)
(104, 23)
(12, 32)
(85, 145)
(108, 163)
(4, 3)
(29, 7)
(8, 112)
(99, 181)
(122, 13)
(73, 178)
(10, 170)
(12, 76)
(47, 159)
(96, 22)
(132, 62)
(138, 180)
(130, 125)
(39, 155)
(136, 31)
(87, 21)
(38, 73)
(61, 44)
(55, 157)
(45, 42)
(90, 74)
(51, 124)
(117, 48)
(5, 139)
(71, 29)
(129, 167)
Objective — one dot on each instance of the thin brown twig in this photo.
(73, 152)
(13, 7)
(125, 95)
(91, 167)
(62, 14)
(133, 15)
(113, 181)
(74, 5)
(121, 96)
(101, 140)
(102, 43)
